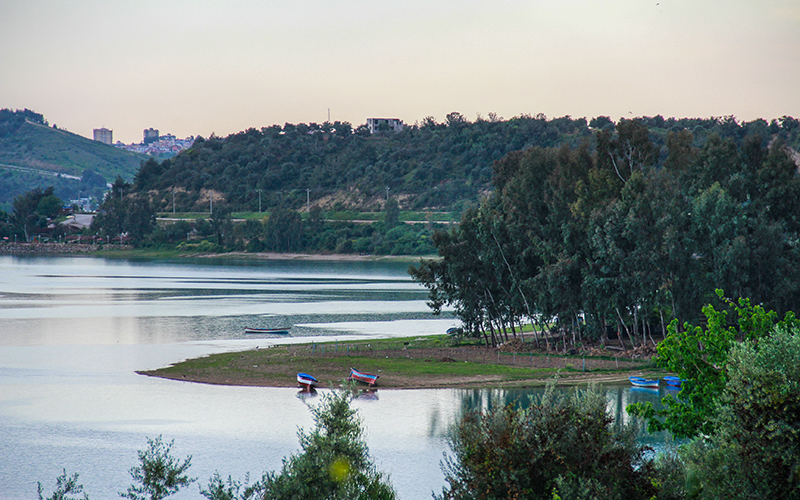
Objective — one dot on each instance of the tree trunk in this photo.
(625, 328)
(535, 335)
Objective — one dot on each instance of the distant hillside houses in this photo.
(158, 145)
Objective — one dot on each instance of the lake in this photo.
(73, 330)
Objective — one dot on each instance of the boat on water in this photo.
(673, 381)
(306, 381)
(267, 331)
(644, 382)
(367, 378)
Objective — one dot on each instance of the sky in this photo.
(200, 67)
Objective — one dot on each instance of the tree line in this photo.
(282, 230)
(617, 236)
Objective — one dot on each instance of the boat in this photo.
(367, 378)
(644, 382)
(306, 381)
(673, 381)
(267, 331)
(452, 331)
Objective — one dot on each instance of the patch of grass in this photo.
(411, 362)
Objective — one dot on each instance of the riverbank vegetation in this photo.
(739, 403)
(619, 237)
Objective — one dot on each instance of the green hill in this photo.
(427, 167)
(33, 154)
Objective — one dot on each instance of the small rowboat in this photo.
(367, 378)
(644, 382)
(452, 331)
(267, 331)
(306, 381)
(673, 381)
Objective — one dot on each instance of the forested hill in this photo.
(427, 166)
(33, 153)
(434, 165)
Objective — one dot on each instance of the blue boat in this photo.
(673, 381)
(306, 381)
(367, 378)
(644, 382)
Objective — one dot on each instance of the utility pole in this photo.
(173, 201)
(211, 204)
(308, 200)
(387, 193)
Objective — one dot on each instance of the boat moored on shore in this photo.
(367, 378)
(306, 381)
(644, 382)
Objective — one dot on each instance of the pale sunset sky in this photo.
(197, 67)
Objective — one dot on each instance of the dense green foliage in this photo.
(285, 230)
(564, 444)
(700, 357)
(430, 165)
(124, 218)
(622, 235)
(755, 451)
(33, 154)
(33, 213)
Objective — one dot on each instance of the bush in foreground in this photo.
(756, 452)
(334, 463)
(562, 444)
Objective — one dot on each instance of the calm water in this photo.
(74, 330)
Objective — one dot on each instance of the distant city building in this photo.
(150, 135)
(384, 124)
(103, 135)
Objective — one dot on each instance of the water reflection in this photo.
(617, 397)
(74, 330)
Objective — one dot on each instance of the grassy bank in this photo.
(407, 363)
(149, 253)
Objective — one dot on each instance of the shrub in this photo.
(756, 452)
(160, 474)
(564, 444)
(334, 463)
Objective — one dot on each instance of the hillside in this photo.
(333, 166)
(430, 166)
(32, 154)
